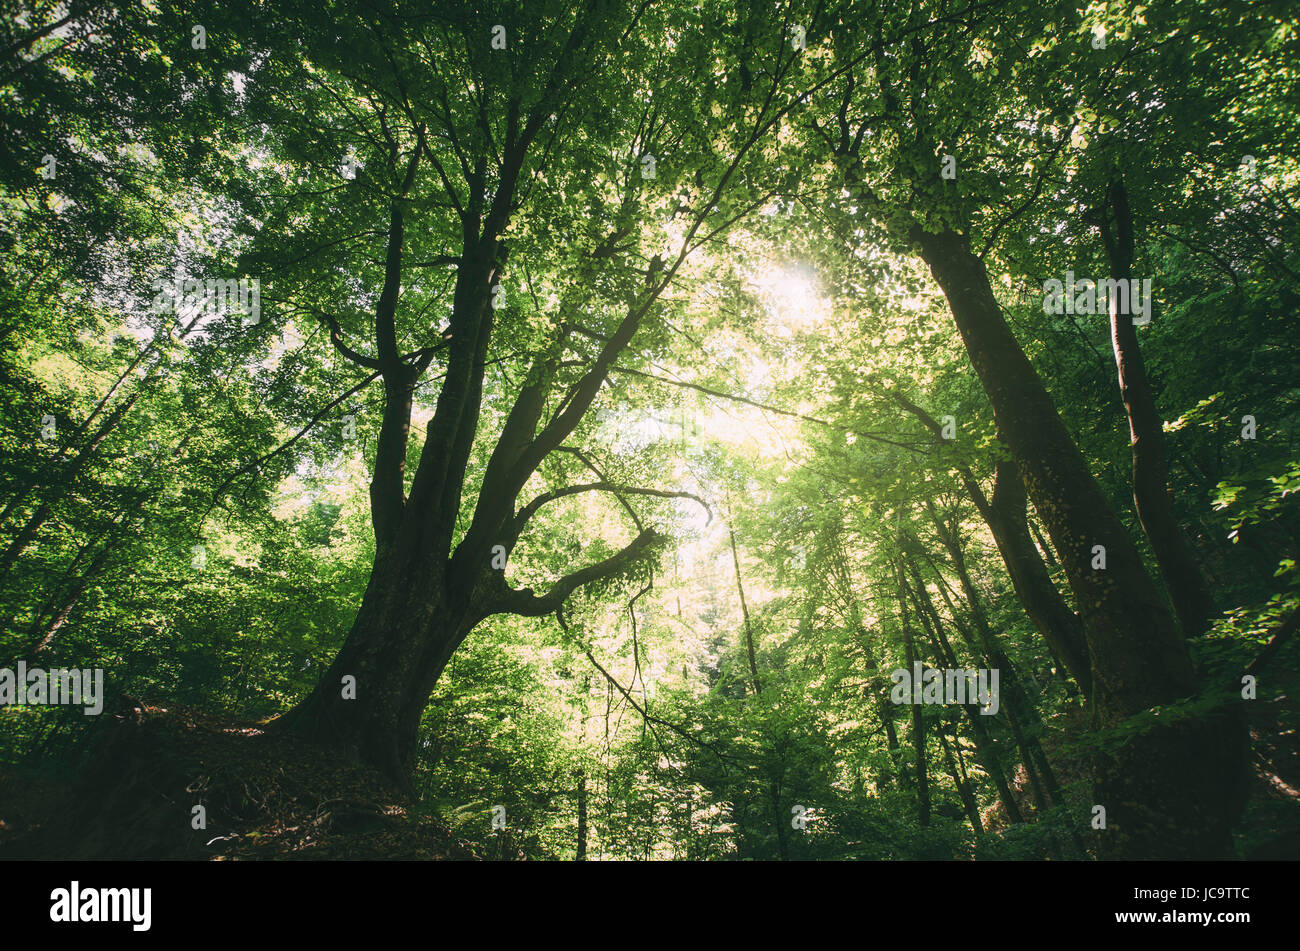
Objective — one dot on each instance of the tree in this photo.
(503, 155)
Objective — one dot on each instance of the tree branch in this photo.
(526, 604)
(529, 510)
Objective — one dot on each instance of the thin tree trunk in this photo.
(984, 741)
(582, 817)
(963, 788)
(69, 601)
(1044, 546)
(1061, 628)
(918, 722)
(744, 610)
(1017, 701)
(1175, 557)
(1037, 593)
(886, 711)
(1037, 766)
(67, 478)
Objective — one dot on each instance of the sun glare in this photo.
(791, 298)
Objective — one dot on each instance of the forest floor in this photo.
(265, 795)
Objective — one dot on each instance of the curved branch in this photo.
(526, 604)
(527, 512)
(336, 338)
(586, 461)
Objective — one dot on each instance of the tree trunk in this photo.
(984, 742)
(1175, 558)
(1173, 791)
(1018, 703)
(67, 479)
(886, 710)
(42, 631)
(744, 610)
(963, 788)
(918, 722)
(1037, 593)
(1060, 627)
(1044, 546)
(402, 637)
(582, 817)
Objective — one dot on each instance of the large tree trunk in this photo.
(431, 582)
(402, 638)
(1173, 791)
(1175, 558)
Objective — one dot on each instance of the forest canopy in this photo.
(650, 429)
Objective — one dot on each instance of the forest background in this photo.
(628, 390)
